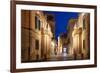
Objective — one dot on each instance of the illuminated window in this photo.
(37, 44)
(37, 23)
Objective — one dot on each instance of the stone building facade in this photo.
(79, 34)
(36, 35)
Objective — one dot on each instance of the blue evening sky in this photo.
(61, 21)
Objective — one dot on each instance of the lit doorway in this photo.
(64, 51)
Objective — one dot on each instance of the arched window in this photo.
(84, 25)
(37, 23)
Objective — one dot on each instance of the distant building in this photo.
(36, 35)
(62, 43)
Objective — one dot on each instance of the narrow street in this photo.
(61, 57)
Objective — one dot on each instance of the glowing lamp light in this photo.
(53, 44)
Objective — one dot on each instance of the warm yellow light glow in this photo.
(38, 12)
(52, 43)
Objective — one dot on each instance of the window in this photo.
(37, 44)
(83, 23)
(37, 56)
(83, 44)
(37, 23)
